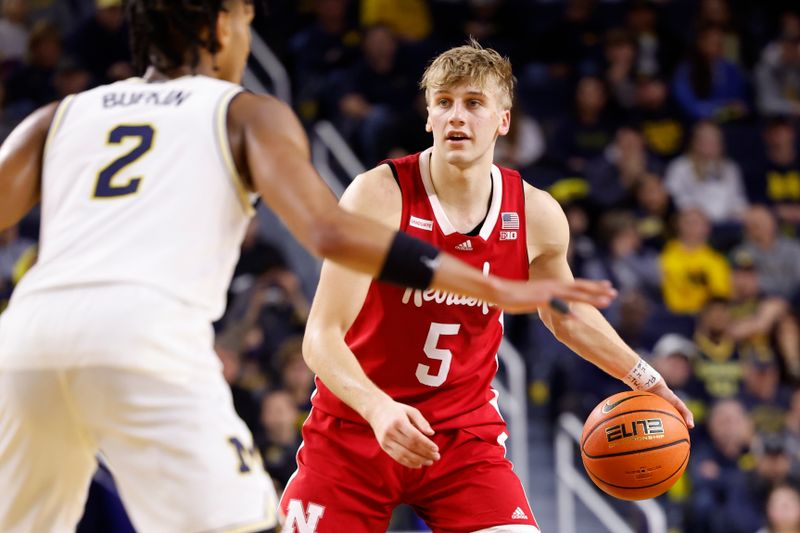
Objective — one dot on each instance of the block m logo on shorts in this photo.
(301, 521)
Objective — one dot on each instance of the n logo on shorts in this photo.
(305, 521)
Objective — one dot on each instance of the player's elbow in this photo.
(312, 343)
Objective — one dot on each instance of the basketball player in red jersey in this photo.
(404, 411)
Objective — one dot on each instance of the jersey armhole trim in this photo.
(58, 119)
(223, 144)
(405, 211)
(394, 172)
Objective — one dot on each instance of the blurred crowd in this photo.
(667, 129)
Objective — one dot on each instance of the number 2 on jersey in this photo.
(445, 356)
(104, 187)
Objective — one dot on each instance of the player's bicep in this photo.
(21, 166)
(275, 159)
(340, 295)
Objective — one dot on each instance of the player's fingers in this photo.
(672, 398)
(412, 439)
(406, 457)
(419, 421)
(573, 294)
(687, 415)
(599, 293)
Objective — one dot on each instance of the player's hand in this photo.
(403, 433)
(528, 296)
(665, 392)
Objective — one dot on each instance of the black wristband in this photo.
(410, 262)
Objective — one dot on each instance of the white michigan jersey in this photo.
(139, 187)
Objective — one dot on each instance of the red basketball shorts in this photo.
(346, 482)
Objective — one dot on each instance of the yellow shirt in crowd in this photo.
(691, 277)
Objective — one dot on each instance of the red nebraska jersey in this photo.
(433, 350)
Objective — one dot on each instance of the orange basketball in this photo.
(635, 445)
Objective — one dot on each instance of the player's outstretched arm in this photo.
(584, 329)
(271, 151)
(21, 166)
(400, 429)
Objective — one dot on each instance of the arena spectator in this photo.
(709, 87)
(280, 437)
(620, 67)
(717, 13)
(614, 176)
(295, 376)
(227, 348)
(70, 78)
(782, 510)
(13, 31)
(657, 51)
(622, 259)
(587, 131)
(692, 271)
(573, 45)
(373, 93)
(673, 356)
(658, 118)
(101, 42)
(762, 324)
(328, 44)
(410, 20)
(523, 145)
(774, 179)
(706, 179)
(763, 396)
(718, 465)
(718, 365)
(776, 258)
(778, 77)
(653, 210)
(32, 84)
(743, 510)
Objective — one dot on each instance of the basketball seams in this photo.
(603, 421)
(680, 468)
(634, 452)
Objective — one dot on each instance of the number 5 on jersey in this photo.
(433, 352)
(105, 188)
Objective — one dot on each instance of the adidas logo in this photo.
(519, 514)
(465, 246)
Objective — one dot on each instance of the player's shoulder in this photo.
(540, 201)
(261, 108)
(374, 193)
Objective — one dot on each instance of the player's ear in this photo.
(224, 29)
(428, 125)
(505, 122)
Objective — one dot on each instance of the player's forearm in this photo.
(364, 246)
(329, 357)
(592, 337)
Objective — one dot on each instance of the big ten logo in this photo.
(645, 429)
(299, 520)
(248, 456)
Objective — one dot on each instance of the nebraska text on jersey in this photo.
(442, 297)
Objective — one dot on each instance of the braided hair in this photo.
(169, 34)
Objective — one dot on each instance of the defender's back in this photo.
(139, 187)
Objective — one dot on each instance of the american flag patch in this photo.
(509, 221)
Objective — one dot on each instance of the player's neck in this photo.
(203, 69)
(465, 189)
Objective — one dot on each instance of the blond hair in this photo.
(471, 63)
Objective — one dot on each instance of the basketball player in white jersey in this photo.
(107, 344)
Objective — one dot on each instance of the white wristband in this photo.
(642, 376)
